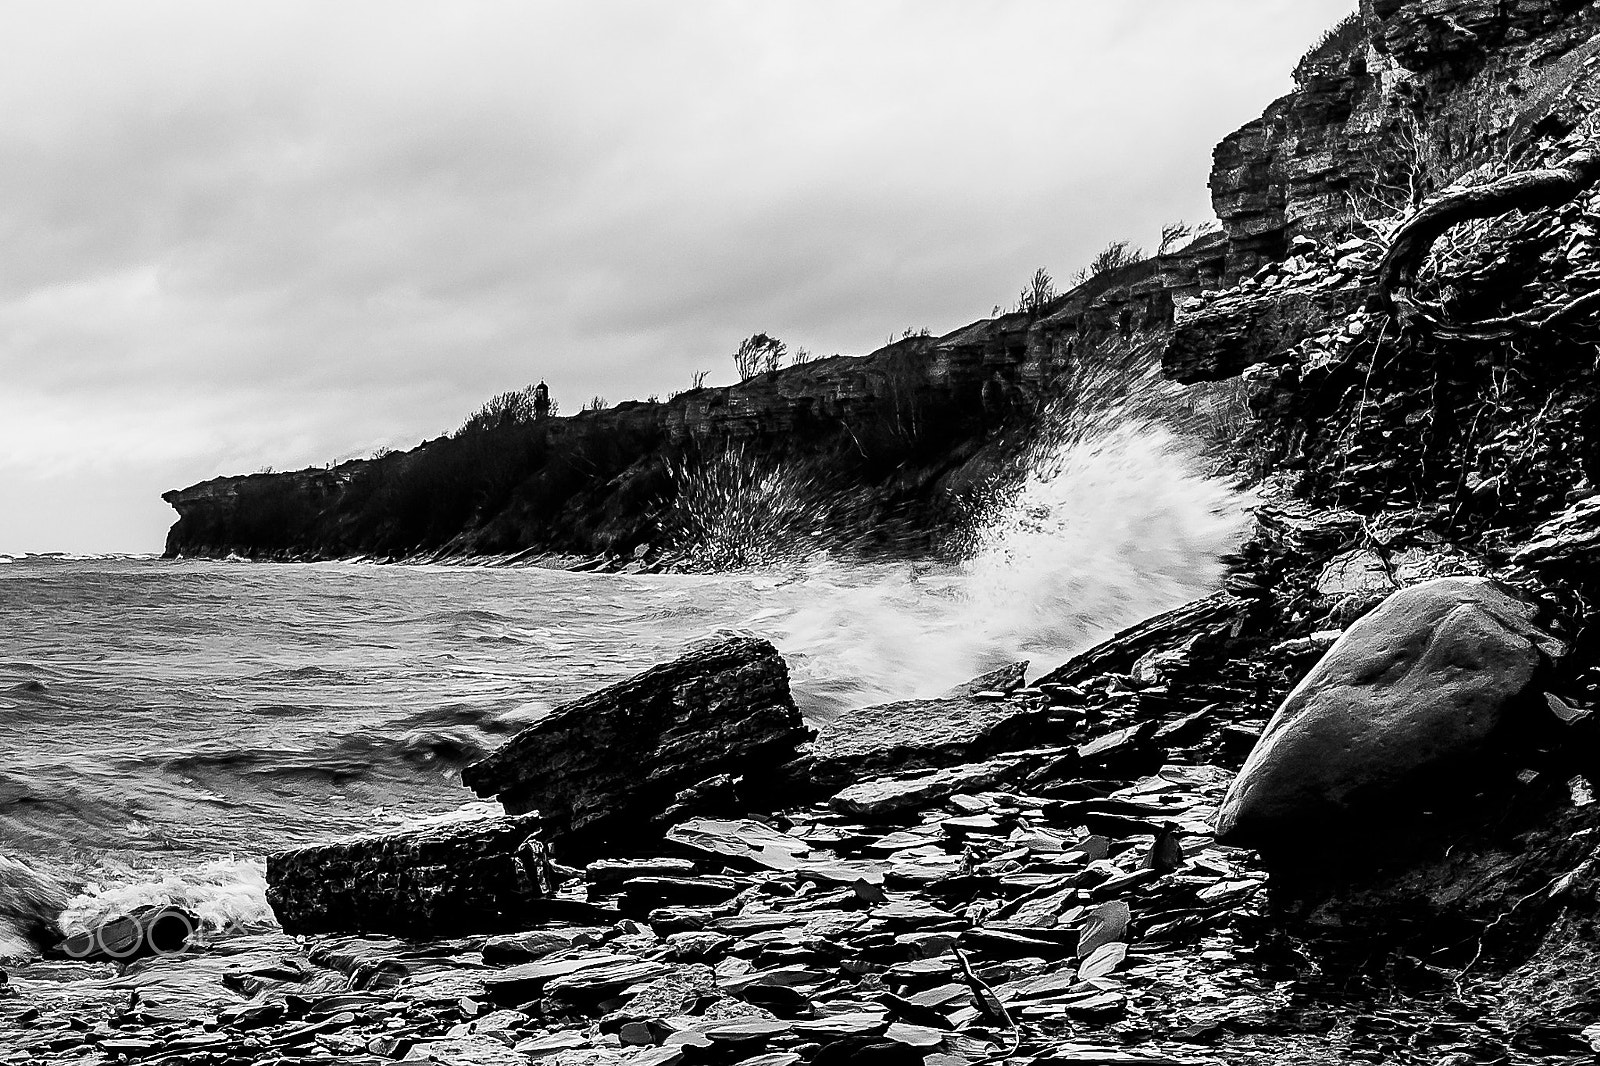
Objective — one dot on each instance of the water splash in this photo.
(735, 511)
(1114, 517)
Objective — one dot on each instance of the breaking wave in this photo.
(1113, 515)
(226, 896)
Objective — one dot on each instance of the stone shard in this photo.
(901, 792)
(746, 842)
(1414, 697)
(443, 880)
(1007, 678)
(611, 766)
(1565, 542)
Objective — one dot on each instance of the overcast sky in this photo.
(276, 234)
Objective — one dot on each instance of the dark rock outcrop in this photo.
(443, 880)
(615, 766)
(1413, 706)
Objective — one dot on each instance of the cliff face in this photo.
(1415, 88)
(1398, 102)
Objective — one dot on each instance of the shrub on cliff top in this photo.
(1114, 256)
(758, 354)
(1040, 290)
(1336, 40)
(507, 409)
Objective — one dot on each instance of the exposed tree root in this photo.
(1415, 238)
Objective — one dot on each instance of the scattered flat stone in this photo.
(657, 1056)
(1107, 924)
(888, 795)
(605, 979)
(920, 734)
(854, 1023)
(742, 1030)
(745, 841)
(915, 1035)
(519, 984)
(646, 893)
(607, 875)
(467, 1051)
(1104, 960)
(535, 944)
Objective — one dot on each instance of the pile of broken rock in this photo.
(1013, 872)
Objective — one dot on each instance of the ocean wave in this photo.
(355, 756)
(320, 675)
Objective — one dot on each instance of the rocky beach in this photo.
(1340, 808)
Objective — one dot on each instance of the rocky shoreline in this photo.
(1026, 872)
(1392, 698)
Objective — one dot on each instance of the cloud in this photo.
(242, 235)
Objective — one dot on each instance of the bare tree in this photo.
(699, 380)
(757, 354)
(596, 403)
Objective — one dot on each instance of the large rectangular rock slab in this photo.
(442, 880)
(917, 734)
(609, 767)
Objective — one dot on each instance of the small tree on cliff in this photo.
(757, 354)
(1040, 290)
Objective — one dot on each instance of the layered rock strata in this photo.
(434, 881)
(702, 730)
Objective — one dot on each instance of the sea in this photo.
(167, 723)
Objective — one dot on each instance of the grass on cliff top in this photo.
(1337, 40)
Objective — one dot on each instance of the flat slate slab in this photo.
(917, 734)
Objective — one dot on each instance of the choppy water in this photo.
(165, 724)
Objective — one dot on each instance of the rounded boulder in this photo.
(1416, 696)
